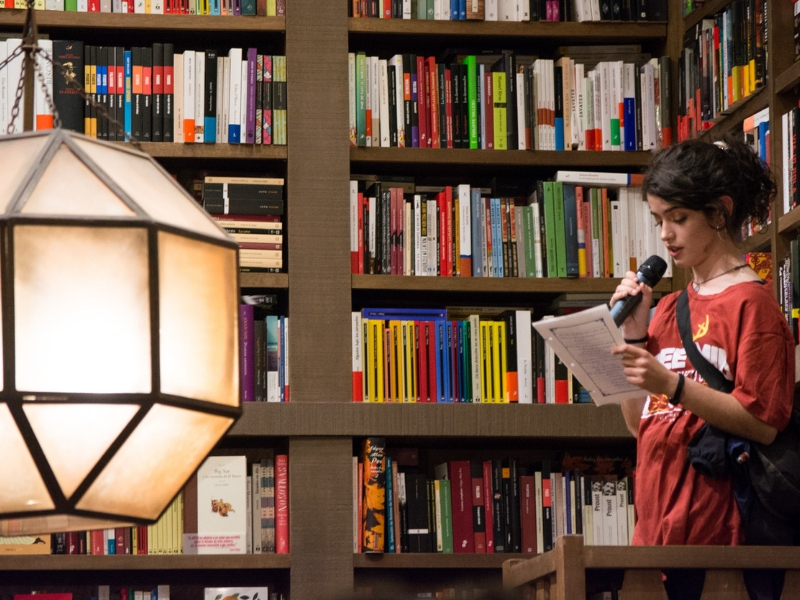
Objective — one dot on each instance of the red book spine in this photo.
(527, 509)
(387, 9)
(282, 504)
(443, 239)
(487, 505)
(360, 257)
(430, 341)
(489, 248)
(449, 234)
(448, 107)
(432, 88)
(72, 542)
(420, 341)
(461, 502)
(97, 542)
(422, 103)
(478, 509)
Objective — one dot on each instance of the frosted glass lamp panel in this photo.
(68, 187)
(22, 487)
(154, 191)
(167, 447)
(49, 523)
(18, 157)
(92, 429)
(199, 310)
(82, 309)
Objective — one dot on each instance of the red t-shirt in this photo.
(742, 332)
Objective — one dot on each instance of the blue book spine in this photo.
(462, 10)
(570, 230)
(414, 104)
(497, 239)
(404, 313)
(391, 543)
(450, 370)
(763, 128)
(215, 8)
(629, 128)
(128, 62)
(477, 229)
(559, 131)
(112, 543)
(454, 10)
(438, 332)
(463, 346)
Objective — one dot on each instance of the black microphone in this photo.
(650, 273)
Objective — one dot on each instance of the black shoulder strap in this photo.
(711, 374)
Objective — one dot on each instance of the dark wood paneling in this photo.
(318, 201)
(321, 510)
(340, 417)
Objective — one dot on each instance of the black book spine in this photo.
(137, 110)
(210, 100)
(119, 73)
(455, 102)
(169, 92)
(67, 100)
(158, 92)
(102, 92)
(516, 531)
(511, 100)
(111, 94)
(147, 94)
(498, 509)
(464, 98)
(391, 77)
(441, 76)
(407, 66)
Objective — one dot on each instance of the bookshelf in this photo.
(321, 426)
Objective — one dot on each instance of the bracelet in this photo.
(642, 340)
(676, 397)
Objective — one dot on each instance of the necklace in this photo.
(696, 284)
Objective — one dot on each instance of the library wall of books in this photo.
(413, 184)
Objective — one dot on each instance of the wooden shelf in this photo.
(47, 19)
(790, 221)
(267, 280)
(214, 151)
(178, 562)
(493, 285)
(425, 560)
(562, 31)
(522, 158)
(736, 113)
(711, 7)
(544, 421)
(759, 241)
(788, 79)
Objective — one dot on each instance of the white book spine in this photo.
(578, 124)
(371, 219)
(617, 237)
(243, 103)
(138, 6)
(551, 104)
(490, 10)
(43, 113)
(464, 225)
(374, 83)
(286, 354)
(219, 100)
(406, 9)
(786, 154)
(597, 512)
(383, 101)
(249, 520)
(255, 518)
(524, 362)
(4, 91)
(593, 178)
(605, 103)
(597, 91)
(432, 235)
(615, 72)
(622, 512)
(354, 210)
(226, 97)
(13, 71)
(594, 9)
(189, 91)
(418, 258)
(397, 62)
(537, 239)
(234, 96)
(537, 480)
(357, 346)
(199, 96)
(407, 237)
(438, 9)
(446, 11)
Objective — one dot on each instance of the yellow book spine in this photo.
(499, 111)
(381, 393)
(497, 388)
(366, 368)
(411, 360)
(502, 351)
(392, 395)
(737, 83)
(272, 9)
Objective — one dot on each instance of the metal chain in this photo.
(71, 81)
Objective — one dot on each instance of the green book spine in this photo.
(561, 244)
(472, 99)
(527, 234)
(361, 99)
(597, 231)
(550, 229)
(447, 516)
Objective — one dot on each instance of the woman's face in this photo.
(686, 233)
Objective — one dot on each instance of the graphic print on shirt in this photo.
(675, 360)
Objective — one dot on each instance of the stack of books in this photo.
(250, 209)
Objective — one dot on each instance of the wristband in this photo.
(676, 397)
(642, 340)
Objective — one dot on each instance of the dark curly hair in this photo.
(696, 174)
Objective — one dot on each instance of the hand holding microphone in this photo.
(650, 273)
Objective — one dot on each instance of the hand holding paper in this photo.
(583, 341)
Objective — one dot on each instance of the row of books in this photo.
(160, 592)
(264, 355)
(723, 61)
(796, 28)
(790, 128)
(239, 508)
(250, 210)
(512, 10)
(165, 536)
(565, 228)
(488, 355)
(788, 273)
(510, 101)
(157, 95)
(260, 8)
(488, 506)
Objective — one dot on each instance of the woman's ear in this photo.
(727, 202)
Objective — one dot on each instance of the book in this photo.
(221, 505)
(67, 101)
(282, 504)
(235, 593)
(373, 514)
